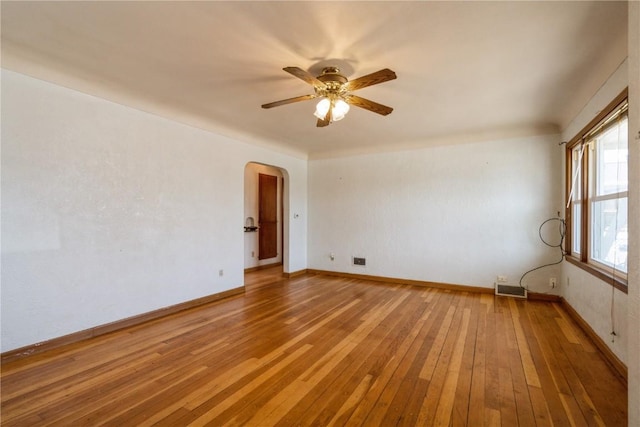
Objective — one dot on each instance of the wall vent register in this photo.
(510, 291)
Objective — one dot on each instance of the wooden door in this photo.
(267, 216)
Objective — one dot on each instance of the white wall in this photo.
(459, 214)
(251, 247)
(109, 212)
(592, 298)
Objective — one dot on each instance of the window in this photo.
(597, 188)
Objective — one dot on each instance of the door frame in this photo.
(284, 205)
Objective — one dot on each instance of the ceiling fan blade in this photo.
(371, 79)
(288, 101)
(303, 75)
(368, 105)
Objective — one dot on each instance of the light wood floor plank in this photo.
(326, 351)
(447, 396)
(439, 373)
(478, 369)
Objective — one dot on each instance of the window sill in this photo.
(606, 277)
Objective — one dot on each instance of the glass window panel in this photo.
(609, 233)
(576, 228)
(603, 201)
(577, 173)
(612, 160)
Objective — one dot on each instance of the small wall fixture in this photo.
(249, 225)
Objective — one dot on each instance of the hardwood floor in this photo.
(327, 351)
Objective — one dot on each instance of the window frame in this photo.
(580, 257)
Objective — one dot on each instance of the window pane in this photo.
(576, 229)
(576, 166)
(611, 160)
(609, 238)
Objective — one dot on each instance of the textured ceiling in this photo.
(467, 71)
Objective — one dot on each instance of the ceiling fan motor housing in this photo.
(333, 80)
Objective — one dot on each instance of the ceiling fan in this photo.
(334, 89)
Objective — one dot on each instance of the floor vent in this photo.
(510, 291)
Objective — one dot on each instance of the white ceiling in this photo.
(467, 71)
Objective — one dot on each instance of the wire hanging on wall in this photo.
(560, 245)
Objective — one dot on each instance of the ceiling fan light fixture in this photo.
(339, 109)
(322, 108)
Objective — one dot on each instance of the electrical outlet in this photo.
(332, 256)
(552, 282)
(502, 279)
(253, 254)
(359, 261)
(220, 273)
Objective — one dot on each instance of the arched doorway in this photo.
(265, 207)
